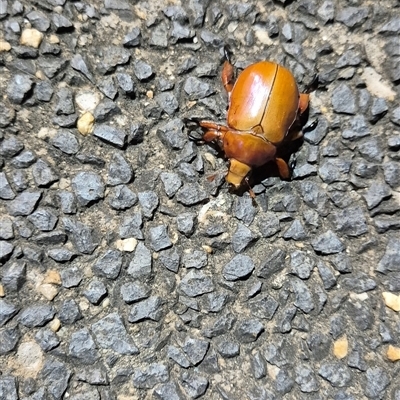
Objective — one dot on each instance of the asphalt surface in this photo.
(130, 270)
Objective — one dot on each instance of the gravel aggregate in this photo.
(129, 268)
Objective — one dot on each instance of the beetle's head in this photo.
(237, 172)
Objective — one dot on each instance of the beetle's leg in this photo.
(283, 168)
(227, 76)
(303, 102)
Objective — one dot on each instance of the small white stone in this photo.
(87, 100)
(31, 37)
(127, 245)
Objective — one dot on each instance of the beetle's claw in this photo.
(228, 53)
(313, 85)
(195, 137)
(311, 125)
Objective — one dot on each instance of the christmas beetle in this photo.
(264, 113)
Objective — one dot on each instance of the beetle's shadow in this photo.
(270, 169)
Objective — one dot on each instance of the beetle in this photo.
(265, 110)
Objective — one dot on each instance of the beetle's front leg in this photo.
(213, 131)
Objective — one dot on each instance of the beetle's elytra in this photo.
(264, 112)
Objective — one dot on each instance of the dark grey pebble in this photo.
(376, 193)
(149, 202)
(194, 384)
(132, 38)
(377, 380)
(195, 283)
(337, 374)
(65, 102)
(303, 297)
(47, 339)
(82, 347)
(197, 89)
(244, 209)
(132, 292)
(190, 194)
(95, 292)
(66, 142)
(108, 265)
(119, 170)
(61, 254)
(170, 259)
(168, 391)
(358, 282)
(240, 267)
(36, 315)
(55, 375)
(352, 16)
(121, 197)
(24, 203)
(125, 82)
(69, 312)
(18, 88)
(82, 236)
(71, 277)
(242, 238)
(159, 239)
(350, 221)
(327, 243)
(6, 249)
(186, 223)
(131, 226)
(343, 100)
(109, 134)
(272, 264)
(142, 70)
(105, 110)
(140, 266)
(43, 91)
(88, 187)
(301, 264)
(171, 182)
(150, 376)
(10, 147)
(24, 159)
(171, 134)
(43, 219)
(194, 259)
(227, 348)
(150, 308)
(110, 333)
(43, 174)
(80, 64)
(7, 311)
(249, 330)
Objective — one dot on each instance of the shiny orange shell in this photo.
(264, 99)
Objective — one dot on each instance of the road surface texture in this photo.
(129, 270)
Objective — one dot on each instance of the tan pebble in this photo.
(105, 303)
(211, 159)
(392, 301)
(29, 359)
(48, 291)
(53, 277)
(4, 46)
(55, 325)
(150, 94)
(127, 245)
(85, 123)
(207, 249)
(53, 39)
(40, 75)
(2, 294)
(84, 305)
(393, 353)
(31, 37)
(340, 347)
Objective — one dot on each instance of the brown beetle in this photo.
(264, 112)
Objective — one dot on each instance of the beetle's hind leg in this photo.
(228, 73)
